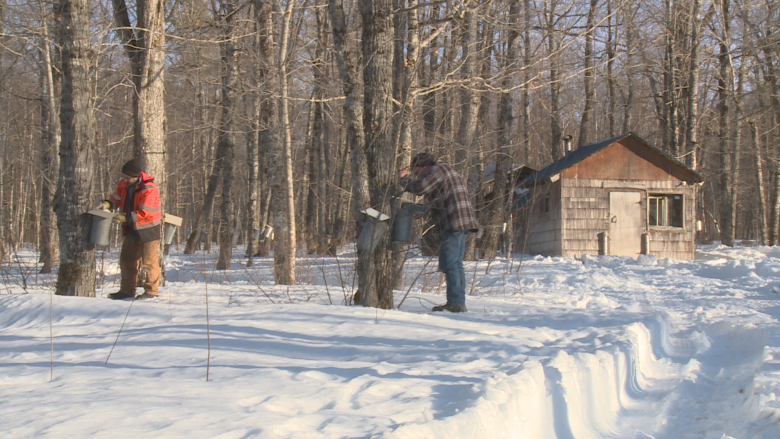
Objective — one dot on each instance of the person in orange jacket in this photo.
(138, 198)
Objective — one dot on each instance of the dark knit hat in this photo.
(423, 159)
(132, 168)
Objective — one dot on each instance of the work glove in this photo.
(105, 205)
(120, 218)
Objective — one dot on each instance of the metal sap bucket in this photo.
(100, 229)
(603, 243)
(268, 233)
(403, 221)
(372, 232)
(375, 226)
(171, 222)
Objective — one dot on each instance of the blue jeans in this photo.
(453, 246)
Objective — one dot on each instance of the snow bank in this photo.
(609, 392)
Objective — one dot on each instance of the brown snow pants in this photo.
(132, 255)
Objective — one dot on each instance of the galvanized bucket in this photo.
(402, 223)
(169, 231)
(100, 229)
(172, 222)
(372, 232)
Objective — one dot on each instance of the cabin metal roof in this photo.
(587, 150)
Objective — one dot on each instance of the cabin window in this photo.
(546, 204)
(665, 210)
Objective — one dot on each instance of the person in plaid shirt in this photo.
(448, 198)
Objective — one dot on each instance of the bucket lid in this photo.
(172, 219)
(101, 213)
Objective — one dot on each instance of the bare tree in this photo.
(725, 88)
(226, 138)
(76, 275)
(466, 144)
(526, 90)
(503, 184)
(554, 47)
(692, 131)
(3, 143)
(145, 47)
(282, 175)
(318, 153)
(50, 140)
(589, 73)
(347, 63)
(630, 36)
(374, 266)
(610, 49)
(268, 112)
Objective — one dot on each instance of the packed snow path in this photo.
(561, 348)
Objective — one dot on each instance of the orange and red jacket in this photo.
(144, 216)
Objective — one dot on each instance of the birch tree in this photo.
(282, 174)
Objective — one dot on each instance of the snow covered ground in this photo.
(551, 348)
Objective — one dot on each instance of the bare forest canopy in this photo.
(296, 114)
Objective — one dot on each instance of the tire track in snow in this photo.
(620, 391)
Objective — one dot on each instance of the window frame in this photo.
(668, 210)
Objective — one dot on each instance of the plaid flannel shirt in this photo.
(448, 197)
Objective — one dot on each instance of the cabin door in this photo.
(625, 223)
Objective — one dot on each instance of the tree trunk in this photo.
(588, 81)
(226, 138)
(526, 94)
(466, 139)
(145, 47)
(268, 117)
(253, 164)
(763, 232)
(50, 140)
(630, 82)
(693, 93)
(76, 275)
(374, 267)
(353, 111)
(489, 242)
(502, 204)
(725, 82)
(733, 195)
(670, 84)
(282, 177)
(611, 37)
(407, 52)
(3, 142)
(555, 85)
(319, 201)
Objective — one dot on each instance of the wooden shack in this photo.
(620, 196)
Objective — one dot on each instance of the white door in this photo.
(625, 223)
